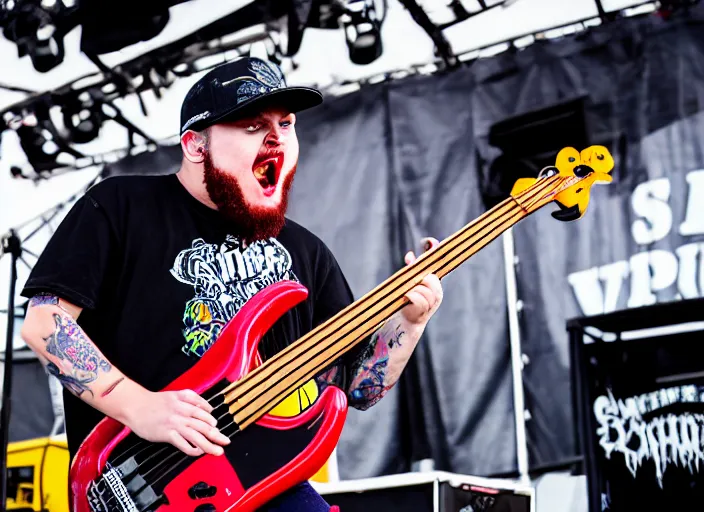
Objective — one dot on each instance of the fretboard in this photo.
(270, 383)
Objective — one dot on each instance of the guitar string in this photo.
(449, 245)
(171, 468)
(552, 184)
(404, 276)
(449, 248)
(174, 451)
(164, 460)
(287, 389)
(124, 454)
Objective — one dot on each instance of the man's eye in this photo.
(285, 124)
(253, 127)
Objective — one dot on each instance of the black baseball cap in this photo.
(239, 86)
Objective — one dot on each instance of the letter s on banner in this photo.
(649, 201)
(606, 413)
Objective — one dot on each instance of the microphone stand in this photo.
(10, 245)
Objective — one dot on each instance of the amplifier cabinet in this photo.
(432, 491)
(638, 394)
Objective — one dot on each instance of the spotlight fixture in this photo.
(82, 117)
(362, 25)
(38, 29)
(40, 150)
(41, 141)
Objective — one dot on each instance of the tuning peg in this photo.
(546, 172)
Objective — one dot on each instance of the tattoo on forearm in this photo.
(109, 390)
(44, 298)
(330, 377)
(79, 361)
(394, 338)
(369, 384)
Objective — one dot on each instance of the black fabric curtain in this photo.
(423, 156)
(635, 86)
(641, 82)
(378, 170)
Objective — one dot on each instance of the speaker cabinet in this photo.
(638, 391)
(434, 491)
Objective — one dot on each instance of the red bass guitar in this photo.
(115, 471)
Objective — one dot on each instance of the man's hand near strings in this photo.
(181, 418)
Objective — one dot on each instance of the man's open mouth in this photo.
(267, 174)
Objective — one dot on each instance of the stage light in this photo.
(36, 146)
(38, 29)
(82, 117)
(362, 25)
(41, 142)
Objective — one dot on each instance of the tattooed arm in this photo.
(381, 363)
(181, 418)
(51, 331)
(379, 366)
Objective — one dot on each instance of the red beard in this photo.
(253, 223)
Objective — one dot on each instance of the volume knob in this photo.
(202, 490)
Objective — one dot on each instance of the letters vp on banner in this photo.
(679, 271)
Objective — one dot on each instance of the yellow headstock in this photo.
(568, 183)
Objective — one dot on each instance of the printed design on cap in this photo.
(266, 79)
(196, 118)
(224, 278)
(269, 75)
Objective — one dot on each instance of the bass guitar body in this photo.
(114, 470)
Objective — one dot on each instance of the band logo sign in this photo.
(638, 428)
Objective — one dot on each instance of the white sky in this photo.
(322, 60)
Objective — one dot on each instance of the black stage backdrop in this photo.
(640, 84)
(425, 155)
(378, 170)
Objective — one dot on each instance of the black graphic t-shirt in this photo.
(224, 277)
(159, 274)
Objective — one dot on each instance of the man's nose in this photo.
(273, 138)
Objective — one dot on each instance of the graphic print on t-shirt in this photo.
(224, 278)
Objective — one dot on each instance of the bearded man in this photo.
(145, 271)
